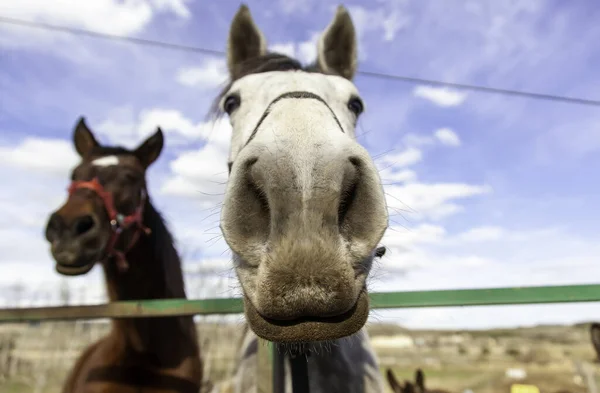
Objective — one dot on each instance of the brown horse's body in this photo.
(108, 217)
(161, 353)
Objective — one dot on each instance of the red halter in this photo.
(118, 222)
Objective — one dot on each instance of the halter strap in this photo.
(118, 221)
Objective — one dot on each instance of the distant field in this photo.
(477, 360)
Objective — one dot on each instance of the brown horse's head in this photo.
(408, 387)
(102, 215)
(396, 386)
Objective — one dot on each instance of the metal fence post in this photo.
(264, 372)
(279, 381)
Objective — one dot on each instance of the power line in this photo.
(495, 90)
(377, 75)
(113, 37)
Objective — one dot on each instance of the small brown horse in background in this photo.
(108, 218)
(409, 387)
(419, 385)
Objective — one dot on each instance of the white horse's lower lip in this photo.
(309, 329)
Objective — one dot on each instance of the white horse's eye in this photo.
(232, 102)
(356, 105)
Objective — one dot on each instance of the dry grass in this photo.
(42, 355)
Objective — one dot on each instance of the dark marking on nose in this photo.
(297, 95)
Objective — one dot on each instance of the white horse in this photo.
(304, 208)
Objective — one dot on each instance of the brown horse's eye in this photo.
(130, 177)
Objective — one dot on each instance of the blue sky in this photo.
(486, 190)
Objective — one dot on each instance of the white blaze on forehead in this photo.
(106, 161)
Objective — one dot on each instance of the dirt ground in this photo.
(36, 358)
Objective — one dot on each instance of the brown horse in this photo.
(409, 387)
(109, 218)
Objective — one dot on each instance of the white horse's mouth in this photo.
(303, 330)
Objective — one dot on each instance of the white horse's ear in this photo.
(245, 41)
(337, 46)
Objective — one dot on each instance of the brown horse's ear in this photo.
(595, 333)
(83, 138)
(420, 380)
(394, 384)
(150, 149)
(245, 41)
(337, 47)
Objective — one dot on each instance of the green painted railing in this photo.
(381, 300)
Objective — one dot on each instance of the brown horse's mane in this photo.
(163, 250)
(160, 239)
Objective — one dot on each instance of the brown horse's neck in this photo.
(154, 273)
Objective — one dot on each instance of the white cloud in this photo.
(440, 96)
(296, 6)
(202, 173)
(432, 201)
(210, 74)
(372, 20)
(455, 266)
(286, 48)
(178, 7)
(389, 176)
(406, 238)
(53, 156)
(484, 233)
(447, 137)
(304, 51)
(104, 16)
(123, 128)
(407, 157)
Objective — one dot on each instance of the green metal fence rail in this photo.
(381, 300)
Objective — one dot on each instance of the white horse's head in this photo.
(304, 208)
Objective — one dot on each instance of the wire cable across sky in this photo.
(377, 75)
